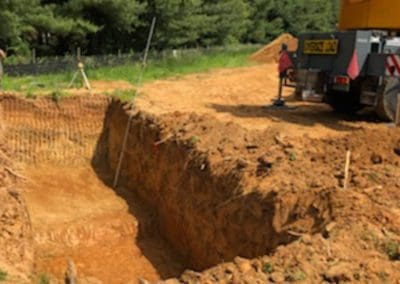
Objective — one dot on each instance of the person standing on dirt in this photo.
(2, 57)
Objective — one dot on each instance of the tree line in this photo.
(56, 27)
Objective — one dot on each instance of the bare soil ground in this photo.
(211, 181)
(240, 96)
(77, 217)
(297, 156)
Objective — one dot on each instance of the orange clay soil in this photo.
(209, 176)
(294, 160)
(76, 216)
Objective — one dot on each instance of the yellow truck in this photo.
(359, 64)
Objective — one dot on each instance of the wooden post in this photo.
(128, 125)
(346, 170)
(119, 53)
(150, 37)
(146, 51)
(122, 153)
(85, 79)
(33, 55)
(71, 274)
(397, 120)
(78, 53)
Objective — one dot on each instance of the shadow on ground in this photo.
(149, 239)
(302, 114)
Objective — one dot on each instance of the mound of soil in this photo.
(270, 53)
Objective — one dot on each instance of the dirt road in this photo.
(240, 95)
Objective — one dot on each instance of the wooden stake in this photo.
(128, 125)
(71, 273)
(397, 120)
(78, 53)
(34, 56)
(146, 52)
(121, 154)
(162, 141)
(346, 170)
(85, 79)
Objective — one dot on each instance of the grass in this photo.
(392, 249)
(268, 267)
(296, 275)
(3, 275)
(124, 95)
(43, 279)
(166, 67)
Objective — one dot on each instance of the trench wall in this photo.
(204, 215)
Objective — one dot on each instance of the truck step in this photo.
(369, 98)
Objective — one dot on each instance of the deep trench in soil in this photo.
(162, 219)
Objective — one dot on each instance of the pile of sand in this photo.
(270, 52)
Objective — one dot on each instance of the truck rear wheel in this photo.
(387, 100)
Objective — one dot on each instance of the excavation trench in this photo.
(171, 210)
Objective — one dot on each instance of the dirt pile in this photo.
(270, 53)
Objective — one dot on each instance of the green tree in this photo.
(103, 26)
(227, 21)
(116, 21)
(180, 23)
(307, 15)
(272, 17)
(28, 23)
(266, 21)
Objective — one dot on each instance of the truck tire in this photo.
(387, 100)
(344, 102)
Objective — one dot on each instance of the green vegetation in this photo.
(388, 246)
(56, 27)
(3, 275)
(43, 279)
(195, 139)
(296, 275)
(156, 69)
(370, 236)
(383, 276)
(125, 95)
(392, 249)
(268, 267)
